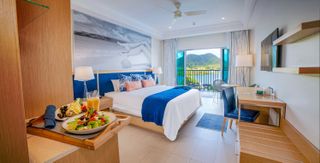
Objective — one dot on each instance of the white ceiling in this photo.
(153, 17)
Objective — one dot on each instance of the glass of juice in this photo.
(93, 102)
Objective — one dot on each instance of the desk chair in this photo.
(231, 110)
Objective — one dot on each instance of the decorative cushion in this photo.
(147, 77)
(116, 85)
(136, 77)
(133, 85)
(123, 79)
(148, 83)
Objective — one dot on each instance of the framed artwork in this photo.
(107, 46)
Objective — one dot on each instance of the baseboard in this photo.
(304, 145)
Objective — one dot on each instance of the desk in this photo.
(248, 96)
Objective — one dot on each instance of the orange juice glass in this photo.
(94, 103)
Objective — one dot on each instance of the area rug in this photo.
(212, 122)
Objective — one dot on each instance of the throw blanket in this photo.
(153, 106)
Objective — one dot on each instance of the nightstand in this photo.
(106, 103)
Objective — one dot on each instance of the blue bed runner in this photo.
(153, 106)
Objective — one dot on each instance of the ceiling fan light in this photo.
(177, 14)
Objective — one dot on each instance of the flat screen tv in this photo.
(270, 54)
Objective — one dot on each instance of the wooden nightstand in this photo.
(106, 103)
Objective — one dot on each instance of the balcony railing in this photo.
(202, 79)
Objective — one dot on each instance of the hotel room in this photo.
(163, 81)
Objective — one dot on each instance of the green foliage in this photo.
(203, 62)
(191, 80)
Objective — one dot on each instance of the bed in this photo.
(177, 111)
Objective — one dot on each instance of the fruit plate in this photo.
(57, 117)
(112, 117)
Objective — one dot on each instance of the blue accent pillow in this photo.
(123, 79)
(147, 77)
(136, 77)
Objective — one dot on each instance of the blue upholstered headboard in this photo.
(105, 84)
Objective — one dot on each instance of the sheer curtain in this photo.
(239, 45)
(169, 61)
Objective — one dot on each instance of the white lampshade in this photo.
(244, 60)
(83, 73)
(157, 70)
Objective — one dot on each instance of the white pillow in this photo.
(116, 85)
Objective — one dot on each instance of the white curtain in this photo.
(239, 45)
(169, 62)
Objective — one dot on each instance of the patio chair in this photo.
(217, 87)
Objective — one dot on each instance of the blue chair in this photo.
(231, 110)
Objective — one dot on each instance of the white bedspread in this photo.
(176, 112)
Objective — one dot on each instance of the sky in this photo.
(216, 51)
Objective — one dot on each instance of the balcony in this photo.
(202, 79)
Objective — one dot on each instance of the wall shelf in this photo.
(305, 29)
(312, 71)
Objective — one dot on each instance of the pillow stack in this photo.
(132, 82)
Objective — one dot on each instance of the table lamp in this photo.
(157, 71)
(244, 61)
(84, 73)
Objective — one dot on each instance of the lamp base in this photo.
(85, 90)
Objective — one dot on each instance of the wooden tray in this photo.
(92, 143)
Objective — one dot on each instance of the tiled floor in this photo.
(193, 145)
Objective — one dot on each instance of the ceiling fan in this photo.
(178, 13)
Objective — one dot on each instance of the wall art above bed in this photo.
(107, 46)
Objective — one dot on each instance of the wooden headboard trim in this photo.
(118, 71)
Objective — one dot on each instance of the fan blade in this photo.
(195, 13)
(175, 1)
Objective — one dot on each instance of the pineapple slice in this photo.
(74, 108)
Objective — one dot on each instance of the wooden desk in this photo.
(248, 96)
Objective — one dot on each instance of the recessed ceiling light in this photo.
(223, 18)
(170, 27)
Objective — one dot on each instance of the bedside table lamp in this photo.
(157, 71)
(84, 73)
(244, 61)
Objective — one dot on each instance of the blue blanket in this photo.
(153, 106)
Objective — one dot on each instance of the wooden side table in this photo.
(106, 103)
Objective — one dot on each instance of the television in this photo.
(270, 54)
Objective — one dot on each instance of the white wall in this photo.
(218, 40)
(301, 93)
(156, 55)
(156, 52)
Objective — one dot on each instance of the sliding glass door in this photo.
(200, 68)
